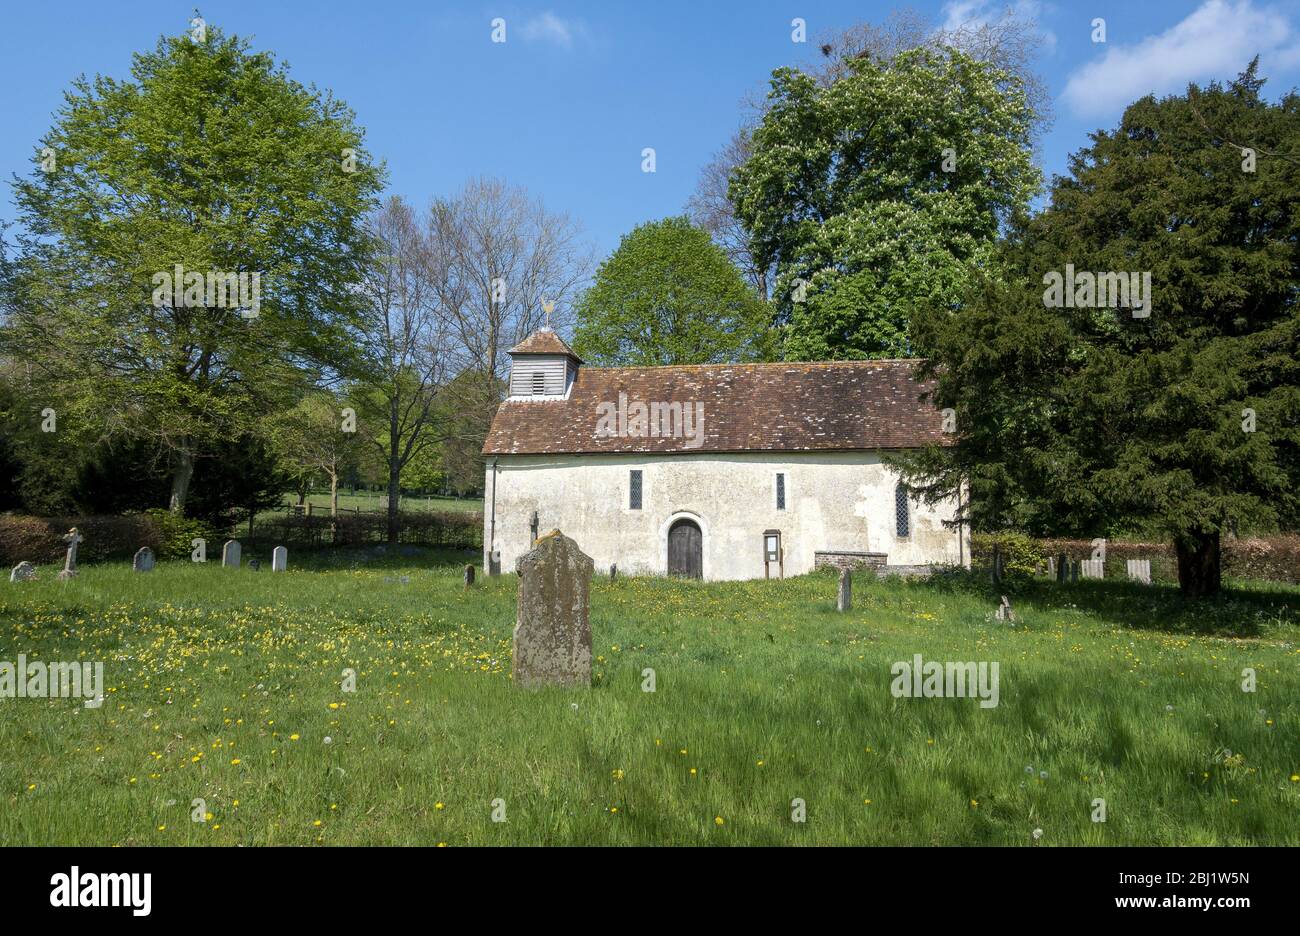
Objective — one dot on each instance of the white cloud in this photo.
(547, 27)
(973, 14)
(1217, 41)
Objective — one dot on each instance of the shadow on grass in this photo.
(1242, 609)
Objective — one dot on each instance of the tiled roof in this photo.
(842, 405)
(543, 341)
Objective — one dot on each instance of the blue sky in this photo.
(565, 106)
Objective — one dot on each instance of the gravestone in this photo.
(1062, 568)
(279, 559)
(143, 561)
(230, 554)
(1004, 612)
(1139, 570)
(613, 571)
(1051, 567)
(255, 565)
(23, 572)
(469, 576)
(494, 563)
(73, 539)
(1093, 568)
(552, 639)
(844, 600)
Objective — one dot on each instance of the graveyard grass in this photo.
(226, 685)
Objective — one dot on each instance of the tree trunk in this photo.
(334, 507)
(394, 495)
(1199, 569)
(394, 468)
(182, 472)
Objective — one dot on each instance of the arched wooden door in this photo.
(685, 549)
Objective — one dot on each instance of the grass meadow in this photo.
(368, 501)
(226, 686)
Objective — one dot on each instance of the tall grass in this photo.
(226, 686)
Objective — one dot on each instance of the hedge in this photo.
(39, 540)
(460, 529)
(1266, 558)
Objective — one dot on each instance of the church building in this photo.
(720, 471)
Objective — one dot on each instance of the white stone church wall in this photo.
(842, 501)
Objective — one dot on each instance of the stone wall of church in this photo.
(834, 502)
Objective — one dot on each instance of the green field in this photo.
(377, 503)
(226, 685)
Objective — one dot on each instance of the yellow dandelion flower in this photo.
(316, 824)
(974, 803)
(234, 761)
(437, 806)
(293, 737)
(717, 820)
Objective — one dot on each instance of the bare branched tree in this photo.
(495, 257)
(496, 261)
(710, 208)
(407, 349)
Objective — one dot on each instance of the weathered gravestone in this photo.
(73, 539)
(613, 571)
(1004, 612)
(279, 559)
(552, 641)
(1139, 570)
(230, 554)
(469, 576)
(255, 565)
(1093, 568)
(143, 561)
(23, 572)
(844, 600)
(1051, 567)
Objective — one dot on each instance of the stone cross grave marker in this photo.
(279, 559)
(143, 561)
(552, 640)
(23, 572)
(230, 554)
(73, 539)
(844, 599)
